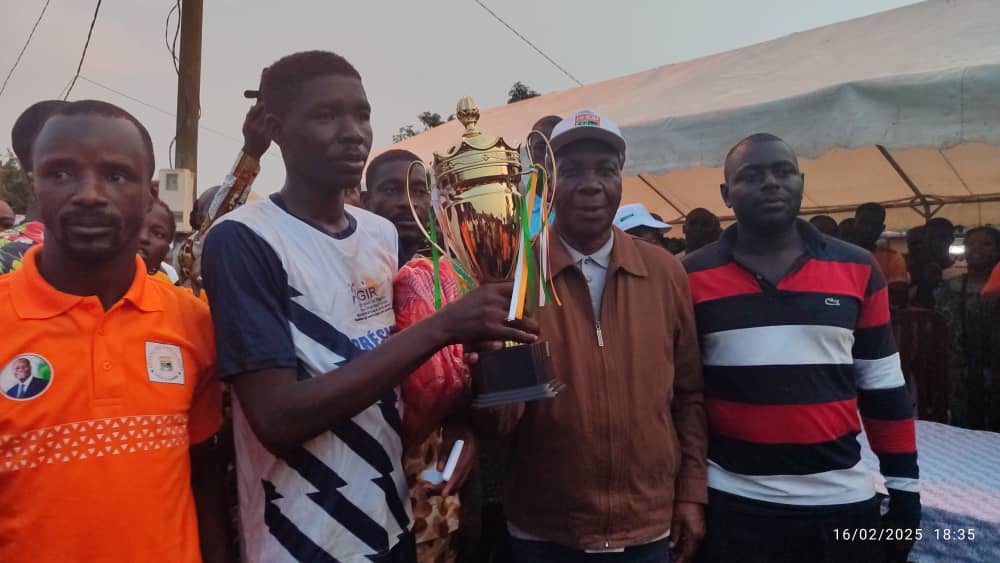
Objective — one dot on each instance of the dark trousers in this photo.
(738, 530)
(545, 552)
(404, 552)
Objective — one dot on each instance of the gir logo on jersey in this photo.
(164, 363)
(370, 299)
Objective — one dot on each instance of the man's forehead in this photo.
(66, 132)
(762, 152)
(395, 171)
(332, 88)
(587, 151)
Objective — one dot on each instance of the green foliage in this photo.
(430, 120)
(15, 188)
(404, 132)
(520, 91)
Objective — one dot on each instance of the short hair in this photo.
(27, 126)
(916, 233)
(830, 221)
(170, 213)
(940, 223)
(393, 155)
(549, 122)
(750, 140)
(874, 209)
(25, 360)
(201, 207)
(105, 109)
(282, 81)
(702, 211)
(988, 231)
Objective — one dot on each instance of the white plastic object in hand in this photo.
(432, 476)
(456, 453)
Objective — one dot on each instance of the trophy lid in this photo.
(471, 159)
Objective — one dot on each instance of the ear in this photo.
(724, 191)
(272, 124)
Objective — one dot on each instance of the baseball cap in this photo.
(635, 215)
(587, 124)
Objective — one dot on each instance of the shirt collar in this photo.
(623, 254)
(602, 256)
(811, 237)
(35, 298)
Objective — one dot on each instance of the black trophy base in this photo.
(516, 374)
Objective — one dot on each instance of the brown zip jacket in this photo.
(601, 465)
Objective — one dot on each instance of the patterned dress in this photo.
(970, 320)
(15, 242)
(429, 393)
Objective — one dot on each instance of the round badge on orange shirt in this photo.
(26, 377)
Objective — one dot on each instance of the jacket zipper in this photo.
(611, 468)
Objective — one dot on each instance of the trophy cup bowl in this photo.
(478, 205)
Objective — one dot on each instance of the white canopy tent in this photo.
(902, 107)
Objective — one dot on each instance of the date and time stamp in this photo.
(904, 534)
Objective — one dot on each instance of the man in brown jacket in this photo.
(613, 469)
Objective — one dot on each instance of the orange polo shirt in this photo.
(992, 288)
(97, 411)
(892, 264)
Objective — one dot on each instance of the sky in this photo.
(413, 56)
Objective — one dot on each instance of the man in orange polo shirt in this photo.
(95, 462)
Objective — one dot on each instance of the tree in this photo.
(520, 91)
(430, 120)
(15, 188)
(404, 132)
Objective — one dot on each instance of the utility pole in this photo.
(189, 88)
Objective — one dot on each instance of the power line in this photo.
(156, 108)
(124, 95)
(83, 55)
(172, 49)
(64, 88)
(163, 111)
(530, 44)
(166, 35)
(25, 47)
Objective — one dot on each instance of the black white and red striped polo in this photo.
(788, 367)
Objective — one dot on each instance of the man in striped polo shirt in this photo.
(796, 339)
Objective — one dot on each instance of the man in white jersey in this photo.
(300, 287)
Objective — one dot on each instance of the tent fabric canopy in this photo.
(901, 107)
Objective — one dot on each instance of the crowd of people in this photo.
(927, 278)
(712, 405)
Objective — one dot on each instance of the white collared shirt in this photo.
(594, 268)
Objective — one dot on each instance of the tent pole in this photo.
(663, 197)
(906, 179)
(908, 202)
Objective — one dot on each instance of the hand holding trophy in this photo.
(483, 220)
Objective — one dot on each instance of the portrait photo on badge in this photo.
(25, 377)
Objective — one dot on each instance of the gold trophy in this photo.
(482, 215)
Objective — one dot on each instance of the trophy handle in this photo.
(550, 186)
(413, 210)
